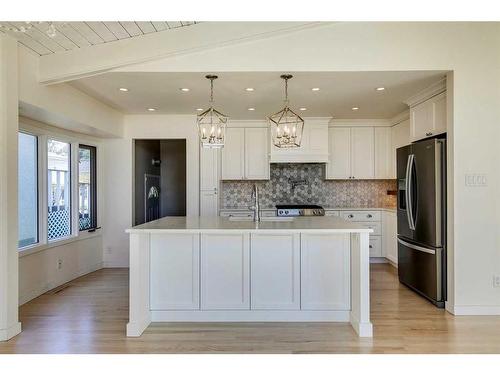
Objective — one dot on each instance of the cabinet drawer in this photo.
(376, 226)
(268, 213)
(332, 213)
(375, 247)
(361, 215)
(242, 213)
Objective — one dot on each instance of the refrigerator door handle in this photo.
(415, 247)
(409, 213)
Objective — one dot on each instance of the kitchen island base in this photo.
(269, 272)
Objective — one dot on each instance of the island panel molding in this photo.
(244, 261)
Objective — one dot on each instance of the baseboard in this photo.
(24, 298)
(115, 264)
(378, 260)
(10, 332)
(249, 316)
(473, 310)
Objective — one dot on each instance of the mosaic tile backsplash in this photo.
(305, 184)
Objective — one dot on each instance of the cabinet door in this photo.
(362, 153)
(389, 238)
(339, 164)
(318, 138)
(439, 108)
(421, 120)
(209, 171)
(383, 153)
(257, 153)
(175, 271)
(209, 203)
(225, 268)
(233, 154)
(275, 271)
(325, 273)
(400, 137)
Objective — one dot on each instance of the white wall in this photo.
(471, 51)
(118, 169)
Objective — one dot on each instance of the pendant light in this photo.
(212, 123)
(286, 125)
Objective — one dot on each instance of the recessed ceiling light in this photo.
(199, 109)
(380, 88)
(355, 108)
(303, 108)
(184, 89)
(251, 109)
(123, 89)
(315, 89)
(249, 89)
(151, 109)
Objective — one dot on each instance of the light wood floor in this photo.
(90, 313)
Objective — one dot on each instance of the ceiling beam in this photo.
(101, 58)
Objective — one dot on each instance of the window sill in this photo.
(29, 250)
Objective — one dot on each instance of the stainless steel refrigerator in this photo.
(421, 171)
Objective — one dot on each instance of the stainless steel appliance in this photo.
(421, 172)
(299, 210)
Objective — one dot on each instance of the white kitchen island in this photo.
(214, 269)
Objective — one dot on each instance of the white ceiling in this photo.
(72, 35)
(339, 92)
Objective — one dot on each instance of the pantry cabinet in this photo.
(245, 155)
(428, 118)
(209, 181)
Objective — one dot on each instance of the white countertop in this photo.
(390, 209)
(196, 224)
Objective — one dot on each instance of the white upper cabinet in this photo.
(362, 151)
(245, 155)
(428, 112)
(339, 166)
(209, 168)
(383, 148)
(313, 147)
(257, 153)
(233, 154)
(400, 136)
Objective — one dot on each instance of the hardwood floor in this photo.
(89, 315)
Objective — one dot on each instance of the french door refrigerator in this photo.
(421, 215)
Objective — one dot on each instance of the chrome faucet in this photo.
(256, 204)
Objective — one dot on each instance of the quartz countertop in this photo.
(196, 224)
(390, 209)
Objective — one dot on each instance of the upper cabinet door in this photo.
(339, 164)
(383, 161)
(257, 153)
(400, 137)
(428, 118)
(209, 171)
(362, 153)
(318, 136)
(233, 154)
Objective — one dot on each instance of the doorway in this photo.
(160, 179)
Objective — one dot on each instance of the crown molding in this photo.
(433, 90)
(359, 122)
(403, 116)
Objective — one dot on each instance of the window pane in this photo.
(28, 190)
(87, 198)
(59, 191)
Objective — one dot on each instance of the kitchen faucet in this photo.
(256, 205)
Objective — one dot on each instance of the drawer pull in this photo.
(369, 215)
(350, 216)
(371, 246)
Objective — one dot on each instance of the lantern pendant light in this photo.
(212, 123)
(286, 126)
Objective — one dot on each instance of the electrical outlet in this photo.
(476, 180)
(59, 264)
(496, 281)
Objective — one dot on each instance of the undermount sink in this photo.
(264, 218)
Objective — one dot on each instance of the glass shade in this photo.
(286, 128)
(212, 128)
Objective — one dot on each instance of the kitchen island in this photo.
(216, 269)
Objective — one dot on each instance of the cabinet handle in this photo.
(428, 134)
(350, 216)
(369, 216)
(371, 246)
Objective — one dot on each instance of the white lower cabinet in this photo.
(175, 270)
(225, 268)
(275, 271)
(325, 272)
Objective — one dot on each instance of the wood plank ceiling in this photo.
(71, 35)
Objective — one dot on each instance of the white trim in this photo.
(250, 316)
(399, 118)
(473, 310)
(28, 250)
(433, 90)
(359, 122)
(10, 332)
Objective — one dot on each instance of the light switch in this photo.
(476, 180)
